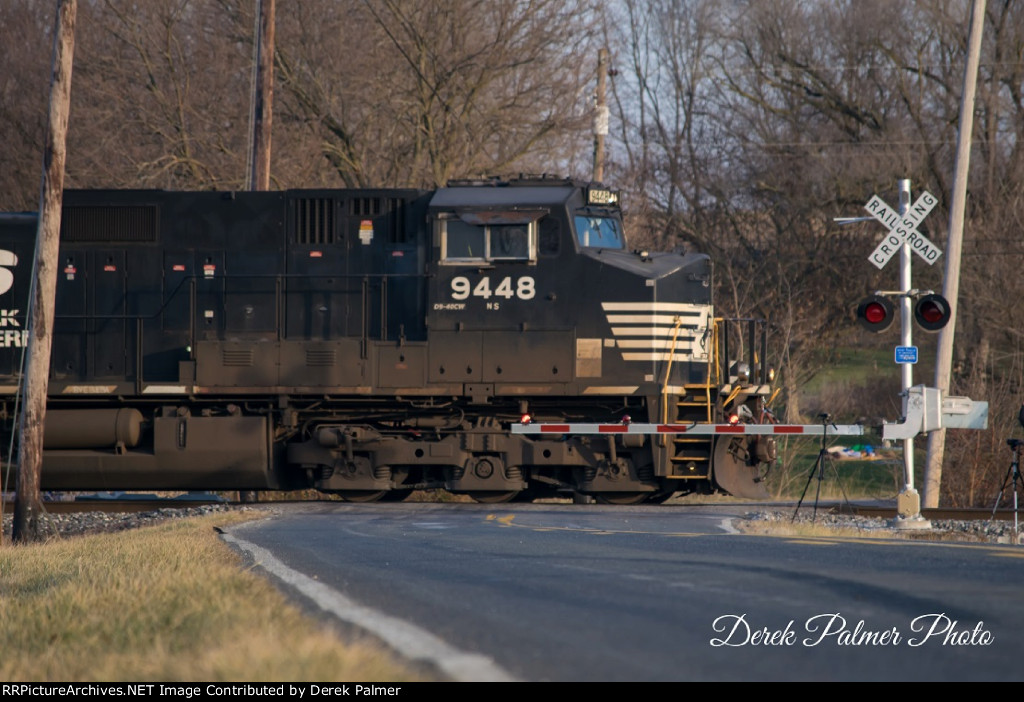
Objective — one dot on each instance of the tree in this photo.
(396, 92)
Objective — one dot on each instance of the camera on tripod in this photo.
(1012, 474)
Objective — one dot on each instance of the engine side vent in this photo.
(364, 206)
(237, 358)
(313, 220)
(125, 223)
(320, 358)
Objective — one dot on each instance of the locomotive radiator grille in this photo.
(313, 220)
(82, 223)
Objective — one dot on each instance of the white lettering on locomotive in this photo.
(7, 258)
(524, 288)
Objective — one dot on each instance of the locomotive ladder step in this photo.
(694, 403)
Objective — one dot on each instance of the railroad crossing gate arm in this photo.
(695, 428)
(928, 410)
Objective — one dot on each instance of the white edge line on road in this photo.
(406, 639)
(727, 527)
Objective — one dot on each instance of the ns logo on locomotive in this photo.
(368, 343)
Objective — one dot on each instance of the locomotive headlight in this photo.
(742, 371)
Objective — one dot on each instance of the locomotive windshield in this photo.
(597, 231)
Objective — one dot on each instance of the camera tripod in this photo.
(1013, 472)
(819, 470)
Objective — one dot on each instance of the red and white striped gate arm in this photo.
(696, 429)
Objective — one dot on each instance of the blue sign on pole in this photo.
(906, 354)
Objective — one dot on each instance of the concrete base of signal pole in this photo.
(908, 511)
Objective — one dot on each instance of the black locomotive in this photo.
(372, 342)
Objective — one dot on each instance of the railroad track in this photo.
(144, 504)
(118, 505)
(960, 514)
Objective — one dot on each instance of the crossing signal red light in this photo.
(875, 313)
(932, 312)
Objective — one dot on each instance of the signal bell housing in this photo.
(875, 313)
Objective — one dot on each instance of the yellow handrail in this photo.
(668, 369)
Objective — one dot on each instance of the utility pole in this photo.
(600, 115)
(951, 283)
(262, 106)
(263, 99)
(27, 505)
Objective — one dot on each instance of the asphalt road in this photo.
(598, 593)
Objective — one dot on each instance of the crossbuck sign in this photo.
(903, 230)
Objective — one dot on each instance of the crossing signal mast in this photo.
(924, 409)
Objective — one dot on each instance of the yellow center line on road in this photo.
(1000, 550)
(813, 542)
(506, 521)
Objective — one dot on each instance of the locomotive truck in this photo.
(368, 343)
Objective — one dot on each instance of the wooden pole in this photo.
(600, 115)
(951, 283)
(27, 504)
(262, 120)
(263, 117)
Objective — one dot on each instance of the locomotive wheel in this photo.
(493, 498)
(526, 495)
(361, 495)
(621, 498)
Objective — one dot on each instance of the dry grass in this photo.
(831, 526)
(806, 530)
(162, 603)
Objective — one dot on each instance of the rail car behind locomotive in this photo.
(372, 342)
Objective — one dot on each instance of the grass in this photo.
(856, 366)
(163, 603)
(880, 478)
(853, 365)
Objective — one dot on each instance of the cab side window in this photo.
(485, 237)
(510, 241)
(550, 236)
(463, 241)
